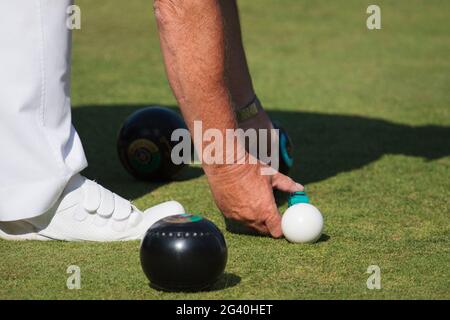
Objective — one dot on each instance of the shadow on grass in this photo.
(226, 280)
(237, 227)
(324, 144)
(324, 238)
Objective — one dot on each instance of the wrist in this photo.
(231, 173)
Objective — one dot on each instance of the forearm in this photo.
(237, 72)
(192, 42)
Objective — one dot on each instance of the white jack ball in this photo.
(302, 223)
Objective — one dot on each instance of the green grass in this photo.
(369, 113)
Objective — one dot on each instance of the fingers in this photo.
(285, 183)
(273, 224)
(260, 227)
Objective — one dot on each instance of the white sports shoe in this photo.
(87, 211)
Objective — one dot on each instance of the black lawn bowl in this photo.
(183, 253)
(144, 143)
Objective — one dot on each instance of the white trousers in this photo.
(39, 148)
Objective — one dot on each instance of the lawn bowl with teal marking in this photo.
(183, 253)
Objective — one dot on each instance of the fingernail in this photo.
(299, 187)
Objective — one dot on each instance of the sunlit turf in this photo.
(369, 114)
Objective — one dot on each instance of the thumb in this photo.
(285, 183)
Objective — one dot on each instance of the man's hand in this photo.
(193, 45)
(244, 195)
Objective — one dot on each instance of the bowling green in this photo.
(369, 114)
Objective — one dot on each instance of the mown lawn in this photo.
(368, 111)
